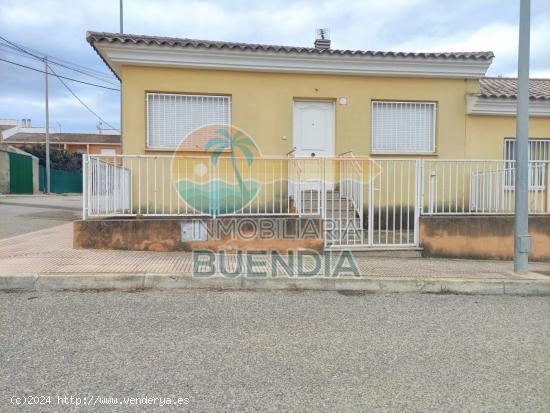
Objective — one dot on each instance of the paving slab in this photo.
(45, 260)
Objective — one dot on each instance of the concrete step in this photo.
(330, 203)
(337, 207)
(314, 194)
(335, 203)
(340, 225)
(373, 252)
(341, 214)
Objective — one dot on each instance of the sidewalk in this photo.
(37, 259)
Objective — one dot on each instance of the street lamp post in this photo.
(522, 241)
(47, 127)
(121, 18)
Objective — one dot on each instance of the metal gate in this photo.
(394, 202)
(363, 202)
(376, 204)
(20, 174)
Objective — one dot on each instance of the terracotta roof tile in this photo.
(6, 127)
(83, 138)
(502, 87)
(94, 37)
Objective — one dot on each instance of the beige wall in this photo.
(96, 149)
(262, 104)
(4, 172)
(485, 134)
(91, 148)
(35, 175)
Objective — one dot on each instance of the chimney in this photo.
(28, 123)
(322, 39)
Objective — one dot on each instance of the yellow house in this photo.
(372, 103)
(370, 139)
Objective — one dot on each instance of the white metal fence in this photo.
(107, 188)
(363, 201)
(481, 187)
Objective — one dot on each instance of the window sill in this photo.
(179, 150)
(373, 153)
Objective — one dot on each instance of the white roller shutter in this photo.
(171, 117)
(403, 127)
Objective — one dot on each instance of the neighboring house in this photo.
(89, 143)
(372, 140)
(21, 134)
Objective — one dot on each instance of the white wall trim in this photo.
(61, 143)
(476, 105)
(244, 60)
(19, 129)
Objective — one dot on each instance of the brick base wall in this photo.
(481, 237)
(162, 234)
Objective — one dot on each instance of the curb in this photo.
(166, 282)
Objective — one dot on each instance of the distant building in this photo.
(21, 134)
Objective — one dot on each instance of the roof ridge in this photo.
(507, 88)
(93, 36)
(513, 78)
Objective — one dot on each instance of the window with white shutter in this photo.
(539, 154)
(403, 127)
(171, 117)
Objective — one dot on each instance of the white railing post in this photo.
(370, 223)
(452, 185)
(431, 192)
(84, 186)
(321, 202)
(418, 199)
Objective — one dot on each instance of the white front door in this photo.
(313, 128)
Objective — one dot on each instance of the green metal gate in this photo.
(20, 174)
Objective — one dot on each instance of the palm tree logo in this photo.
(226, 197)
(218, 184)
(234, 142)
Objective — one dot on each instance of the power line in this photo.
(26, 49)
(84, 73)
(15, 48)
(13, 44)
(80, 100)
(8, 49)
(59, 76)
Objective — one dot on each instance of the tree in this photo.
(59, 158)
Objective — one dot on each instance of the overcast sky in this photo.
(58, 28)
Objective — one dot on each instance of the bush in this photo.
(59, 158)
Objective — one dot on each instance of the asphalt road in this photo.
(20, 214)
(277, 351)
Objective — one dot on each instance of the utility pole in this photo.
(47, 128)
(522, 241)
(121, 32)
(121, 15)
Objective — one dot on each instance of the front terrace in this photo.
(361, 202)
